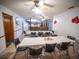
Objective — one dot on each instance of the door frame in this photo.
(11, 22)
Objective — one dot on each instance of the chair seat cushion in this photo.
(49, 51)
(65, 48)
(71, 37)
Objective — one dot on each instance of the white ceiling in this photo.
(24, 7)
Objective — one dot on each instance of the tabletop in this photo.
(31, 41)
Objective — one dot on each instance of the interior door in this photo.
(8, 27)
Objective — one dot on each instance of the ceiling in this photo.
(24, 7)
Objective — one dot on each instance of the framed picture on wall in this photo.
(75, 20)
(17, 21)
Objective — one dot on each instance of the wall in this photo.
(17, 28)
(64, 25)
(25, 26)
(7, 11)
(2, 39)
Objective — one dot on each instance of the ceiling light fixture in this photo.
(36, 3)
(37, 10)
(41, 3)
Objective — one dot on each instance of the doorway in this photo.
(8, 28)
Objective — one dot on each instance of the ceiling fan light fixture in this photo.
(37, 10)
(41, 3)
(36, 3)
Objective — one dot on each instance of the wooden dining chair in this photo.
(19, 49)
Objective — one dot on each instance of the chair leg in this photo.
(40, 56)
(55, 55)
(25, 54)
(73, 48)
(15, 55)
(60, 54)
(68, 53)
(52, 55)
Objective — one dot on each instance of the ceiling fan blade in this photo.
(49, 5)
(32, 3)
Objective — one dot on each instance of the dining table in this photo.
(32, 41)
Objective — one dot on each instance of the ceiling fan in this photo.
(38, 2)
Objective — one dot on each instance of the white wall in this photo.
(16, 27)
(2, 40)
(1, 26)
(2, 44)
(64, 25)
(25, 26)
(7, 11)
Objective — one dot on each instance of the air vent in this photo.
(71, 7)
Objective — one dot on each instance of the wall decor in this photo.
(17, 21)
(55, 22)
(75, 20)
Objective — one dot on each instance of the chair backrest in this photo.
(64, 45)
(40, 33)
(47, 33)
(52, 31)
(33, 34)
(24, 32)
(71, 37)
(50, 47)
(16, 41)
(35, 52)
